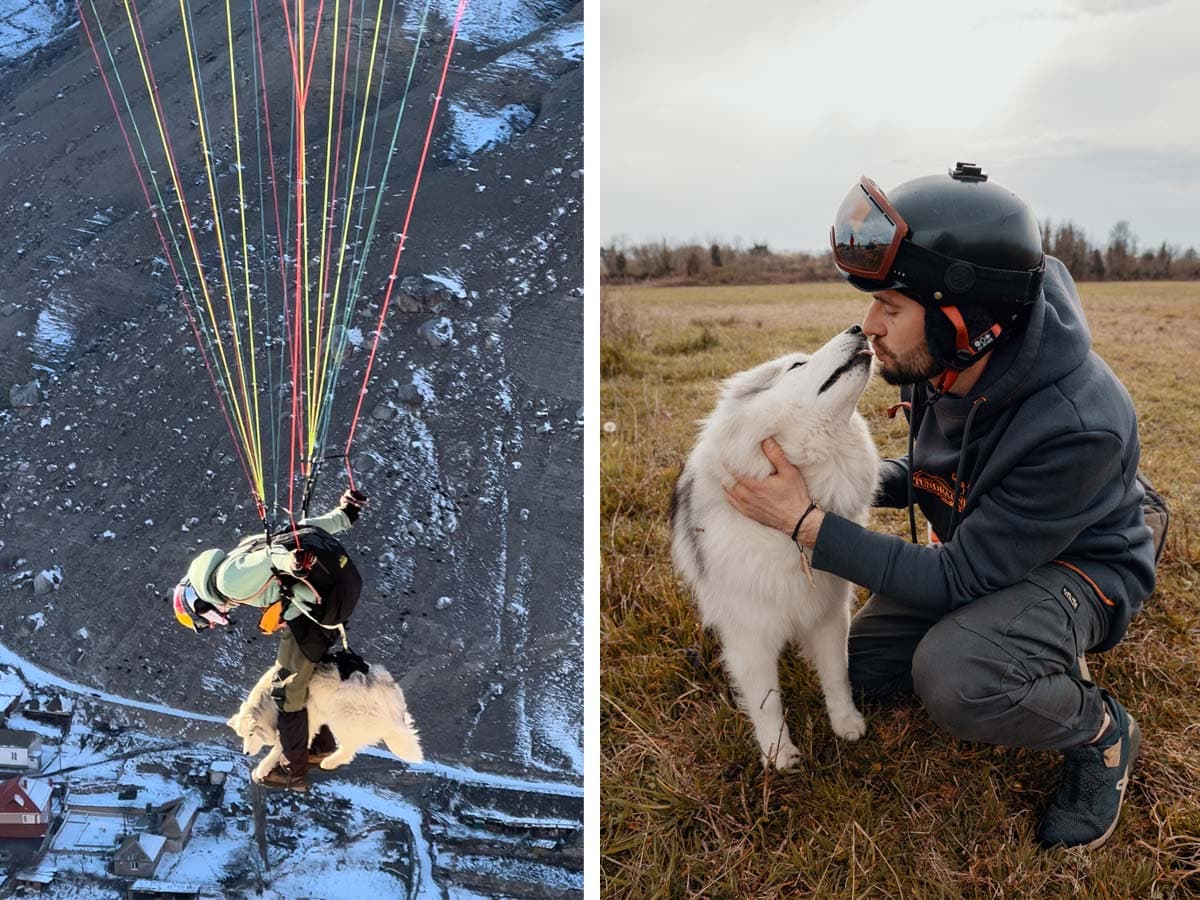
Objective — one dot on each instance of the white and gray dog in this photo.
(749, 580)
(360, 711)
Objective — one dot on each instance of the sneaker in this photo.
(281, 779)
(1085, 810)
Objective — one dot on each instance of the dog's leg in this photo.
(269, 761)
(826, 644)
(752, 662)
(405, 744)
(338, 757)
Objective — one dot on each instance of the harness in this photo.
(272, 618)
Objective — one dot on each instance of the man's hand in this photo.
(351, 503)
(779, 500)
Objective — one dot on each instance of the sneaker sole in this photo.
(1135, 743)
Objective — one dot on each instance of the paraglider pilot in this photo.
(307, 586)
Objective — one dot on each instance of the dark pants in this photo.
(290, 690)
(1002, 669)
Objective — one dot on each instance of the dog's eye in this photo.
(796, 365)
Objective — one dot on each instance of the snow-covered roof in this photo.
(150, 885)
(38, 791)
(40, 875)
(12, 738)
(16, 790)
(151, 844)
(186, 810)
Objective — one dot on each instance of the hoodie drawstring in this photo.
(962, 452)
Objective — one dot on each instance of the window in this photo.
(13, 753)
(133, 864)
(29, 820)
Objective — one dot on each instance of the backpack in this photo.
(1157, 515)
(332, 574)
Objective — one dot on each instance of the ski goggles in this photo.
(869, 248)
(866, 232)
(194, 612)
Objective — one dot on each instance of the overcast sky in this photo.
(753, 119)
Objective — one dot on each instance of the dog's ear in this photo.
(232, 722)
(745, 385)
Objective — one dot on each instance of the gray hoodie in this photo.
(1047, 474)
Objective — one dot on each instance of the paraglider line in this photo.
(462, 5)
(163, 240)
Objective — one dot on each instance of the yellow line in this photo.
(326, 217)
(187, 223)
(302, 200)
(350, 188)
(217, 212)
(237, 143)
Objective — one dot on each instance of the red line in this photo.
(337, 159)
(312, 54)
(462, 5)
(167, 253)
(287, 27)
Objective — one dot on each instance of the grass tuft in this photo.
(908, 811)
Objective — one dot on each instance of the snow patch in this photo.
(453, 285)
(474, 131)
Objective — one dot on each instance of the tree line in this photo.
(714, 262)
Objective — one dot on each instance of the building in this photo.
(20, 750)
(36, 879)
(54, 709)
(24, 808)
(148, 889)
(176, 823)
(139, 855)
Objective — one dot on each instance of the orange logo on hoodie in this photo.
(941, 488)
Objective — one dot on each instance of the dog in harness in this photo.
(307, 586)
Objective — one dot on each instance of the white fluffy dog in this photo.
(749, 580)
(360, 711)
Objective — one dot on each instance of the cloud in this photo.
(717, 122)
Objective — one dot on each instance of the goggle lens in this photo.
(866, 232)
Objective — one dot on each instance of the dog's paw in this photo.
(849, 726)
(784, 758)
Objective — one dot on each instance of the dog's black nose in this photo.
(854, 329)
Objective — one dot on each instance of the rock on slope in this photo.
(471, 545)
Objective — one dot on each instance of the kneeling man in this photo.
(1023, 457)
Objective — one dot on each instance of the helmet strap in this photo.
(968, 350)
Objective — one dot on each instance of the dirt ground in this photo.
(471, 545)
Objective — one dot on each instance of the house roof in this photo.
(37, 875)
(151, 885)
(150, 845)
(12, 738)
(185, 811)
(25, 793)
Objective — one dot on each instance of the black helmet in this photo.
(956, 243)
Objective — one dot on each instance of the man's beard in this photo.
(913, 367)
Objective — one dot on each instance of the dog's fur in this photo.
(360, 711)
(748, 579)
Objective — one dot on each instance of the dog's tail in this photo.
(404, 740)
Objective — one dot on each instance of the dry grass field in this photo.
(687, 810)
